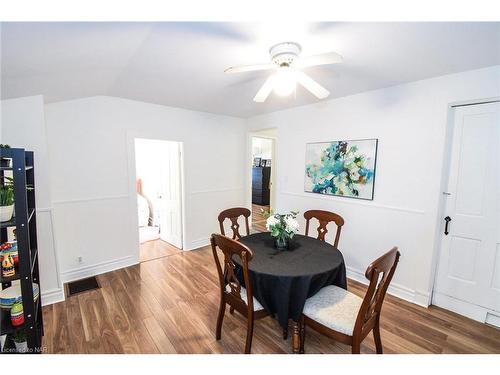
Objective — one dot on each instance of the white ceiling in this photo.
(182, 64)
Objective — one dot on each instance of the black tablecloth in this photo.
(283, 280)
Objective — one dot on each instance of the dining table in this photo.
(282, 280)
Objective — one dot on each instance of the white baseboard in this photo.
(52, 296)
(422, 298)
(97, 269)
(196, 244)
(493, 319)
(394, 289)
(475, 312)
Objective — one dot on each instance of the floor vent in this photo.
(82, 285)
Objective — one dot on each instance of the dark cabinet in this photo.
(261, 178)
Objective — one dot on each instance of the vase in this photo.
(17, 314)
(6, 213)
(281, 243)
(21, 347)
(3, 338)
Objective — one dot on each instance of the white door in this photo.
(169, 197)
(468, 275)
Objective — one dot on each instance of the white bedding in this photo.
(143, 211)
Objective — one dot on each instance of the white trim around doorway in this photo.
(464, 308)
(131, 136)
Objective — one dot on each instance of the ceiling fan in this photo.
(286, 60)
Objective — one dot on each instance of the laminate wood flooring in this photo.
(156, 249)
(169, 305)
(258, 219)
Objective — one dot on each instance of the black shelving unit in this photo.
(24, 222)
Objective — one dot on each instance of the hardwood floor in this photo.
(258, 219)
(156, 249)
(169, 305)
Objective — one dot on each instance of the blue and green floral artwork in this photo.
(344, 168)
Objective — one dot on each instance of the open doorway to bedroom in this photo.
(263, 150)
(159, 197)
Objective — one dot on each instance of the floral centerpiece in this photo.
(282, 228)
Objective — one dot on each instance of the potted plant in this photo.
(20, 341)
(4, 162)
(282, 228)
(6, 199)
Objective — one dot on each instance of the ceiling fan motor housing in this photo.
(284, 54)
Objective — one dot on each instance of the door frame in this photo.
(258, 134)
(445, 173)
(132, 173)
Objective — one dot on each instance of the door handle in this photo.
(447, 219)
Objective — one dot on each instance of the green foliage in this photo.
(266, 213)
(7, 191)
(19, 336)
(282, 226)
(6, 196)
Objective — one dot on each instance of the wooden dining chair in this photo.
(345, 317)
(324, 217)
(232, 293)
(234, 214)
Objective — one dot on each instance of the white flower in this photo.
(271, 221)
(292, 226)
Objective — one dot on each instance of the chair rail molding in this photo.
(354, 202)
(89, 199)
(219, 190)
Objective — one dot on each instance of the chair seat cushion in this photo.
(334, 308)
(243, 292)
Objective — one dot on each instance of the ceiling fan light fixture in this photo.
(286, 59)
(285, 81)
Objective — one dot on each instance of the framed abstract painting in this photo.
(341, 168)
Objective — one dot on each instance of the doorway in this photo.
(468, 274)
(263, 175)
(159, 197)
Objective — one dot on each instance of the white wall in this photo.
(410, 122)
(86, 147)
(93, 184)
(23, 126)
(262, 148)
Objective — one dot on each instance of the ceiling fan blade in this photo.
(248, 68)
(314, 87)
(265, 90)
(323, 59)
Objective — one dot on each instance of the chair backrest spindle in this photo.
(379, 273)
(227, 271)
(324, 217)
(233, 214)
